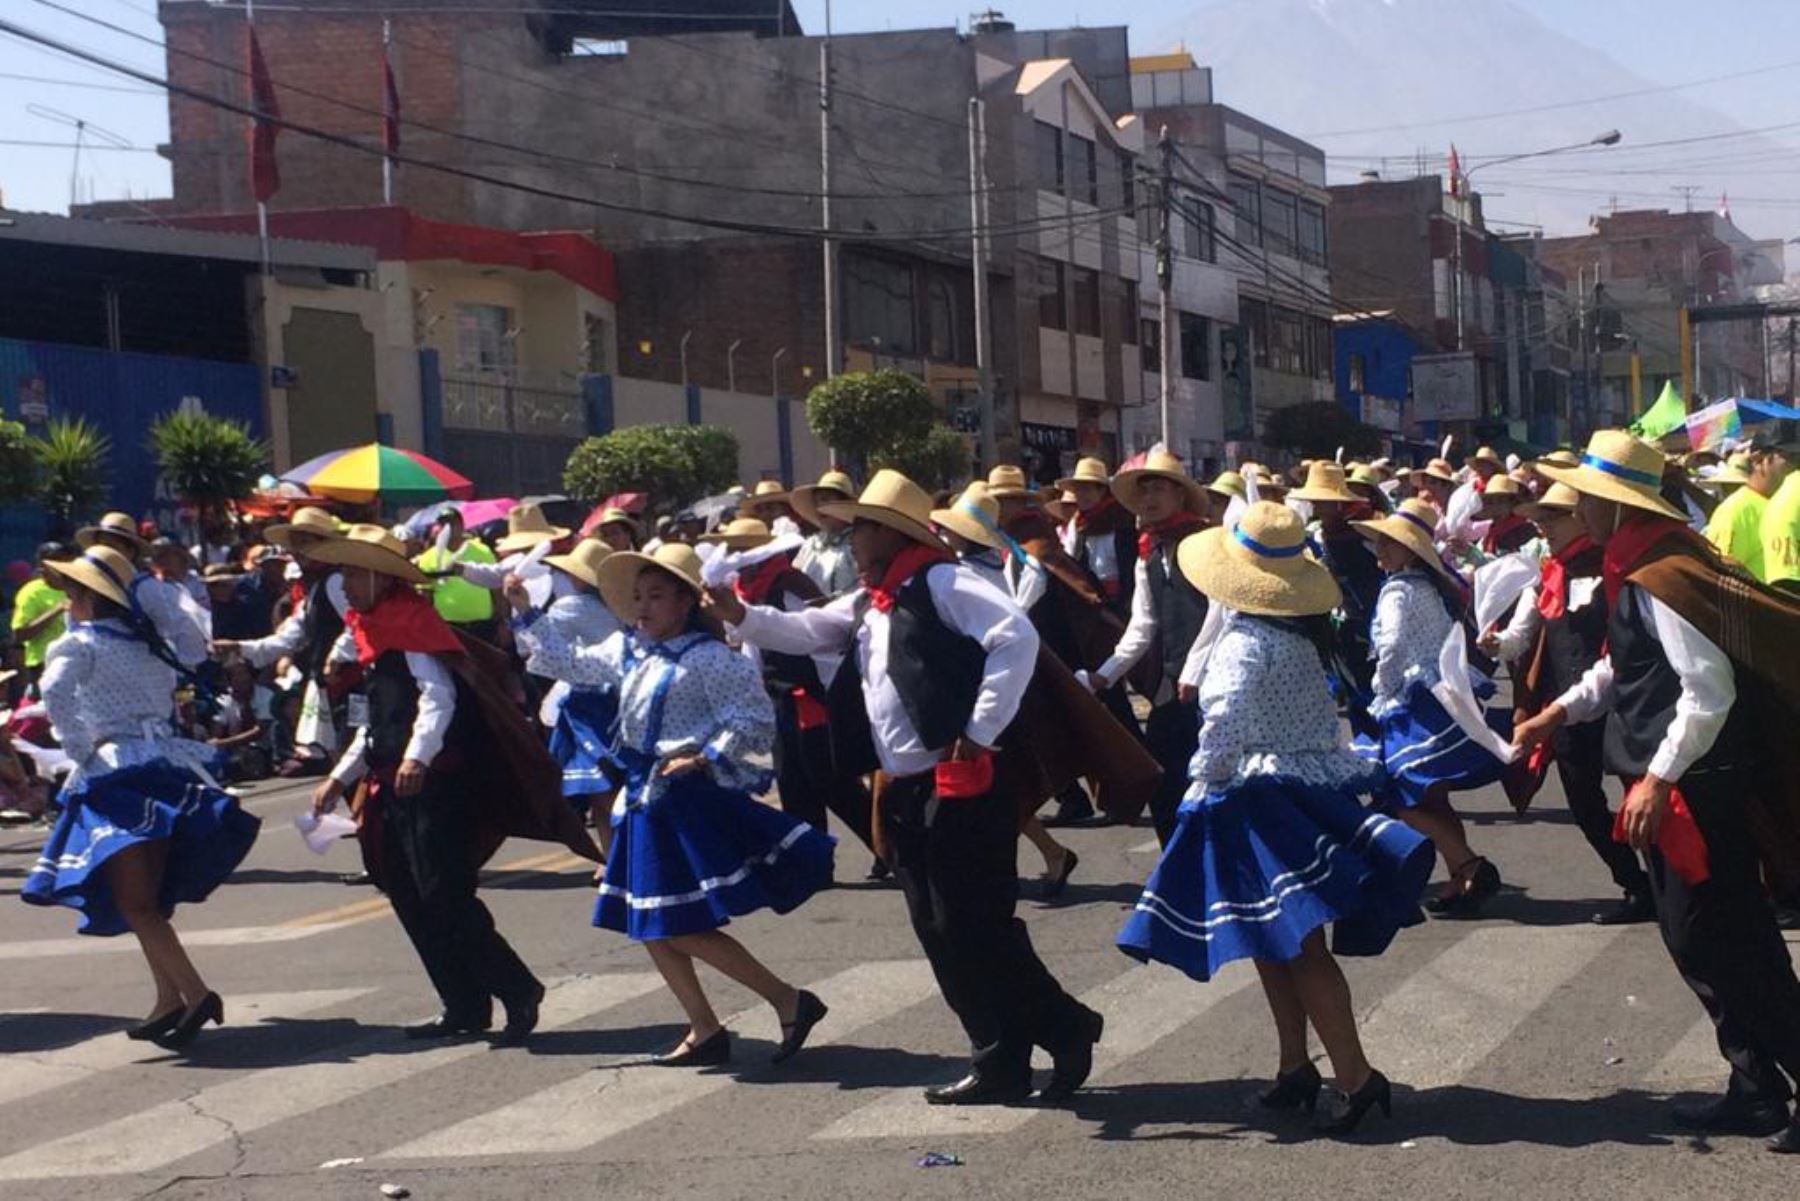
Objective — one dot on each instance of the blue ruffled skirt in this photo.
(700, 855)
(1254, 869)
(208, 836)
(1421, 748)
(580, 743)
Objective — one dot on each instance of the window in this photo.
(1246, 199)
(940, 319)
(1127, 180)
(1049, 157)
(1287, 342)
(484, 338)
(599, 48)
(1254, 317)
(879, 305)
(1278, 221)
(1197, 231)
(1319, 335)
(1084, 170)
(1050, 295)
(1312, 232)
(1086, 285)
(1196, 336)
(596, 344)
(1150, 345)
(1358, 375)
(1128, 310)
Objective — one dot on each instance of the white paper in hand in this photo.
(321, 831)
(1457, 696)
(1499, 583)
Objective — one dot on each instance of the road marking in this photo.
(1142, 1006)
(162, 1134)
(24, 1074)
(1440, 1023)
(1694, 1058)
(1152, 847)
(622, 1092)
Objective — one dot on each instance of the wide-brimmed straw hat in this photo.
(1556, 458)
(1158, 464)
(1622, 469)
(1558, 499)
(1325, 480)
(1267, 481)
(373, 548)
(765, 493)
(221, 573)
(310, 520)
(121, 525)
(621, 517)
(891, 500)
(1487, 455)
(526, 526)
(740, 533)
(1438, 469)
(1087, 471)
(1228, 484)
(1413, 525)
(975, 515)
(617, 577)
(1062, 508)
(583, 563)
(99, 569)
(807, 498)
(1364, 475)
(1500, 485)
(1006, 481)
(1260, 566)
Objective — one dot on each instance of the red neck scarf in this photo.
(1086, 517)
(401, 621)
(1167, 532)
(1632, 541)
(904, 566)
(753, 586)
(1553, 586)
(1499, 528)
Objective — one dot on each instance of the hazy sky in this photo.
(1660, 39)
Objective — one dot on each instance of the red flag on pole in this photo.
(390, 105)
(1455, 172)
(265, 172)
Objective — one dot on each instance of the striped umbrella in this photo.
(377, 472)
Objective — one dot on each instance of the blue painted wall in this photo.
(1387, 352)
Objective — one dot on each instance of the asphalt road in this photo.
(1533, 1054)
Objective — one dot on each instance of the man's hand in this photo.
(326, 796)
(1489, 644)
(1187, 694)
(1091, 681)
(410, 778)
(516, 595)
(723, 603)
(1528, 734)
(1643, 811)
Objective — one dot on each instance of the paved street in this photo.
(1533, 1054)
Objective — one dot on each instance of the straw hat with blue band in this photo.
(119, 525)
(1413, 524)
(1260, 566)
(976, 517)
(99, 569)
(1619, 468)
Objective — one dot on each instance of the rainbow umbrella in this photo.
(365, 473)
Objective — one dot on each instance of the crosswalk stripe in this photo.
(162, 1134)
(24, 1076)
(1693, 1058)
(230, 936)
(1144, 848)
(1457, 1009)
(621, 1092)
(1142, 1006)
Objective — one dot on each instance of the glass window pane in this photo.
(1050, 295)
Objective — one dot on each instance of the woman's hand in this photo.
(516, 595)
(1529, 734)
(683, 764)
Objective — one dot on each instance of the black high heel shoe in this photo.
(1349, 1109)
(1298, 1089)
(712, 1052)
(210, 1009)
(151, 1029)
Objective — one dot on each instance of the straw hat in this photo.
(1486, 455)
(310, 520)
(1557, 499)
(1500, 485)
(975, 515)
(1158, 464)
(1724, 476)
(99, 569)
(121, 525)
(1007, 481)
(373, 548)
(1228, 484)
(1558, 458)
(891, 500)
(1261, 566)
(526, 526)
(766, 492)
(1062, 508)
(806, 499)
(1438, 469)
(1364, 476)
(221, 573)
(621, 517)
(1267, 482)
(583, 562)
(1325, 481)
(1414, 526)
(740, 533)
(617, 577)
(1622, 469)
(1087, 471)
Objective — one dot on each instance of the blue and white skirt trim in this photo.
(1254, 869)
(1422, 747)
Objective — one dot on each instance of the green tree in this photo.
(18, 466)
(675, 464)
(939, 459)
(72, 481)
(207, 461)
(863, 413)
(1316, 428)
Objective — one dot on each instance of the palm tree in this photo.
(71, 462)
(207, 461)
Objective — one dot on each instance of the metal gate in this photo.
(511, 439)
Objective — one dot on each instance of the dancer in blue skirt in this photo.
(144, 827)
(1270, 844)
(1425, 753)
(691, 849)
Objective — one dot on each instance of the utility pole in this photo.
(830, 247)
(978, 264)
(1790, 382)
(1165, 279)
(1456, 272)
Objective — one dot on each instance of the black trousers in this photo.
(956, 863)
(1171, 734)
(429, 873)
(1580, 762)
(808, 781)
(1723, 937)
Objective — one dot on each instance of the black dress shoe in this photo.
(521, 1019)
(1347, 1110)
(153, 1028)
(1071, 813)
(879, 870)
(1631, 911)
(1788, 1141)
(210, 1009)
(355, 878)
(975, 1089)
(1074, 1063)
(1298, 1089)
(807, 1014)
(1054, 885)
(715, 1051)
(449, 1026)
(1733, 1114)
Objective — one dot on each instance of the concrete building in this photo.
(1372, 372)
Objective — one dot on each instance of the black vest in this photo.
(1180, 612)
(936, 670)
(393, 697)
(1645, 689)
(322, 624)
(1124, 540)
(783, 673)
(1574, 642)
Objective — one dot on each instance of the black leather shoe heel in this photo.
(1298, 1089)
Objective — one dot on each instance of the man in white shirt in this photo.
(1668, 694)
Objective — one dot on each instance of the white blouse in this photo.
(1410, 628)
(112, 702)
(581, 618)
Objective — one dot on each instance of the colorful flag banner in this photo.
(1668, 413)
(265, 172)
(1713, 424)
